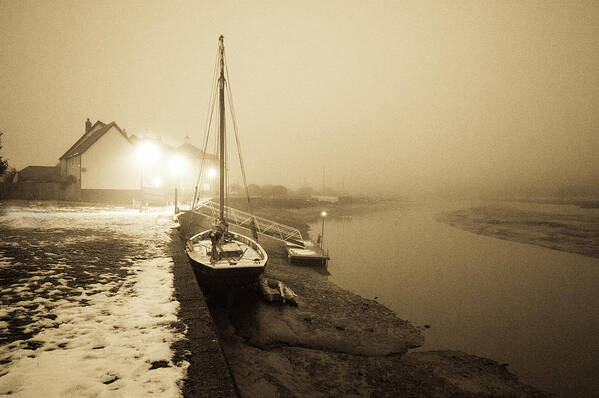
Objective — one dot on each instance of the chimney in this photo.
(88, 125)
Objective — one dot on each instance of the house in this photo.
(171, 166)
(195, 156)
(102, 162)
(107, 164)
(191, 151)
(38, 174)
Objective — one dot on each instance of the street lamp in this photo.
(323, 214)
(147, 152)
(211, 176)
(178, 166)
(211, 172)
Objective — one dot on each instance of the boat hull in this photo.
(238, 267)
(216, 278)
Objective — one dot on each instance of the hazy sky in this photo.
(403, 95)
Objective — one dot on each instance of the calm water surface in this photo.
(534, 308)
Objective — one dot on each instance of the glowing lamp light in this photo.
(177, 164)
(212, 172)
(147, 152)
(156, 182)
(323, 214)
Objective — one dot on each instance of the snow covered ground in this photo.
(87, 303)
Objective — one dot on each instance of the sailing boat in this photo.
(219, 255)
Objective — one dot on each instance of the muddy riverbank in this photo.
(338, 343)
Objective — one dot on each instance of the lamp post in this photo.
(212, 180)
(178, 166)
(141, 187)
(147, 152)
(323, 215)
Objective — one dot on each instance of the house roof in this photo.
(39, 174)
(195, 152)
(99, 129)
(157, 140)
(89, 138)
(187, 148)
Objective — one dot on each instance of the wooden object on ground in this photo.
(274, 290)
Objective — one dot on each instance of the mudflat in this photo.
(567, 228)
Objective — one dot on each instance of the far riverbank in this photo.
(564, 227)
(301, 213)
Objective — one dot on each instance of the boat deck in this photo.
(310, 253)
(235, 254)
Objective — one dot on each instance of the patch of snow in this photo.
(93, 342)
(96, 351)
(5, 262)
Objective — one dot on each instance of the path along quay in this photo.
(100, 300)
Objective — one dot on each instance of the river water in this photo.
(534, 308)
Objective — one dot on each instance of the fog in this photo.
(408, 97)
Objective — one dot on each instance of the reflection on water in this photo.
(534, 308)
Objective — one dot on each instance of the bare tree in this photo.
(3, 163)
(279, 192)
(254, 190)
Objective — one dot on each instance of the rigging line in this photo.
(203, 161)
(227, 192)
(207, 133)
(207, 130)
(226, 163)
(254, 227)
(210, 117)
(216, 178)
(232, 109)
(197, 194)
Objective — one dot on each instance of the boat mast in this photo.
(221, 104)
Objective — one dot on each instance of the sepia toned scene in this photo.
(299, 199)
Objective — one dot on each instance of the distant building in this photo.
(194, 157)
(103, 158)
(38, 174)
(323, 198)
(106, 163)
(174, 165)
